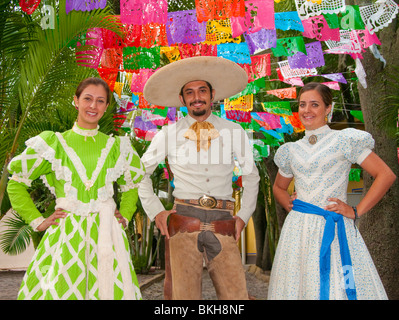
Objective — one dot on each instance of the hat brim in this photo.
(225, 76)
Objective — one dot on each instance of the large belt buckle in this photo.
(207, 201)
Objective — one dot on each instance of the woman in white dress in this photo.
(321, 254)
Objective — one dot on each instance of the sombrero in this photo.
(225, 76)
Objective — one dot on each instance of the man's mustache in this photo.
(197, 101)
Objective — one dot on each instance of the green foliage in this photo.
(141, 232)
(272, 228)
(388, 110)
(180, 5)
(39, 72)
(16, 238)
(38, 78)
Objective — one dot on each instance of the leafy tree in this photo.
(379, 101)
(38, 77)
(39, 72)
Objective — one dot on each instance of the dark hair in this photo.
(95, 81)
(322, 89)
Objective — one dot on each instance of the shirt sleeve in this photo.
(23, 169)
(155, 153)
(133, 174)
(282, 159)
(356, 145)
(250, 184)
(250, 176)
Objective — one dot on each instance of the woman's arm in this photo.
(128, 183)
(24, 169)
(280, 192)
(383, 179)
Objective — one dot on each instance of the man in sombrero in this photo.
(202, 151)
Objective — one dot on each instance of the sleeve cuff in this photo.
(363, 156)
(26, 181)
(285, 175)
(37, 222)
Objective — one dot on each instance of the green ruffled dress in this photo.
(87, 255)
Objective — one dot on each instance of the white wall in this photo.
(20, 261)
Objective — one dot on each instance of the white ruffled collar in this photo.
(318, 131)
(85, 132)
(312, 136)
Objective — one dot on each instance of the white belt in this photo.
(109, 235)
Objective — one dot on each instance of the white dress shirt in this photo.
(205, 172)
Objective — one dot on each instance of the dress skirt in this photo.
(65, 264)
(295, 273)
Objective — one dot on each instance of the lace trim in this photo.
(127, 175)
(128, 187)
(24, 175)
(85, 133)
(45, 151)
(75, 206)
(45, 182)
(22, 179)
(130, 184)
(321, 130)
(64, 173)
(114, 173)
(37, 222)
(79, 165)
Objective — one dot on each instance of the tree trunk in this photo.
(263, 255)
(380, 226)
(280, 211)
(262, 252)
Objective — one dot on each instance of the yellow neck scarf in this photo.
(203, 133)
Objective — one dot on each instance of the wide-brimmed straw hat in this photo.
(225, 76)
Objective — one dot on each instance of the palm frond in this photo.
(16, 238)
(106, 123)
(15, 34)
(50, 64)
(6, 139)
(44, 71)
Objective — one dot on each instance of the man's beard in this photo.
(199, 113)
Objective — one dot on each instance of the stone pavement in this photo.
(152, 284)
(257, 284)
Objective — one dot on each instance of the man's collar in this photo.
(210, 119)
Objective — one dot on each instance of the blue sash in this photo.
(325, 250)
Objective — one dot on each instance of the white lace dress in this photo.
(321, 171)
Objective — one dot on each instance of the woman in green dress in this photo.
(84, 253)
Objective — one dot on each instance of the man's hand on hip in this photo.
(161, 221)
(240, 224)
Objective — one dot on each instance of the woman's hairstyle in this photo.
(322, 89)
(95, 81)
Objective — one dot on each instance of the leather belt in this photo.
(209, 202)
(179, 223)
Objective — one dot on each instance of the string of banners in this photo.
(152, 34)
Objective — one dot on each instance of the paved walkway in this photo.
(151, 285)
